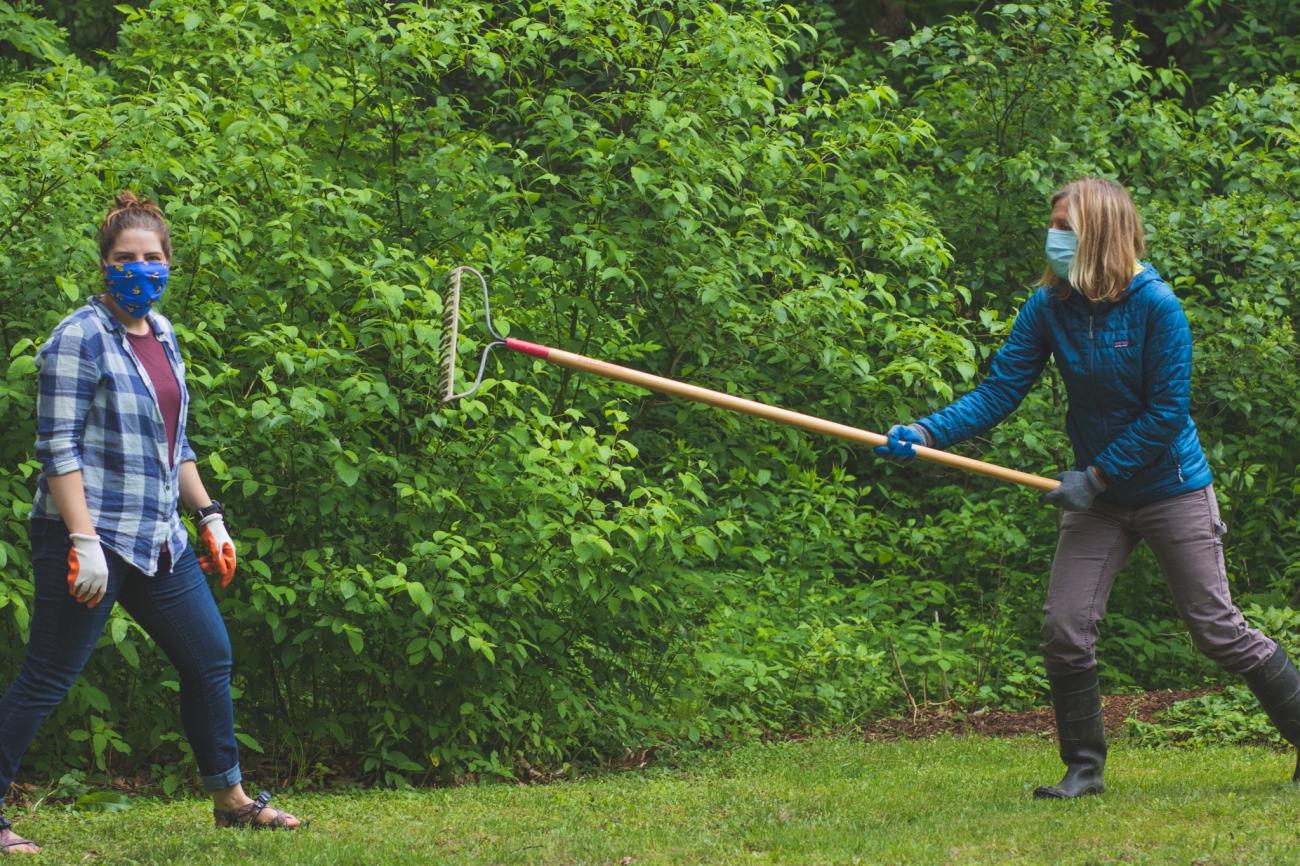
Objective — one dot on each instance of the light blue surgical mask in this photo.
(1060, 248)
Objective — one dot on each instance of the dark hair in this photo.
(129, 212)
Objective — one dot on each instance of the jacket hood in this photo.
(1140, 281)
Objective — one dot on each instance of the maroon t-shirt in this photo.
(149, 349)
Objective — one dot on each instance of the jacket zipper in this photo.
(1092, 374)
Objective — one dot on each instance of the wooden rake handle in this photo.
(772, 413)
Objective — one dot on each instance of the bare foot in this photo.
(240, 809)
(12, 843)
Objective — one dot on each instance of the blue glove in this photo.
(1077, 490)
(901, 439)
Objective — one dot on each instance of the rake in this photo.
(450, 344)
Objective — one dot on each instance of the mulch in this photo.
(935, 720)
(929, 721)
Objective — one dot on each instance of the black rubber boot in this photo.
(1277, 685)
(1076, 698)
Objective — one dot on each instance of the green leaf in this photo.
(218, 465)
(420, 595)
(103, 801)
(247, 740)
(347, 472)
(70, 289)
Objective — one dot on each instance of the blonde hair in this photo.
(1106, 222)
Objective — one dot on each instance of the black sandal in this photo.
(16, 840)
(245, 817)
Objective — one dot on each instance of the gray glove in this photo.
(1077, 490)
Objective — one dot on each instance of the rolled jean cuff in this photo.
(221, 781)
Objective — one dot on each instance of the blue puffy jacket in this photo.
(1127, 367)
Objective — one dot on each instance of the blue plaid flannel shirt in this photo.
(97, 412)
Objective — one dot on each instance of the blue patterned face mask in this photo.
(136, 286)
(1060, 248)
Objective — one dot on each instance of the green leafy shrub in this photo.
(745, 197)
(1232, 715)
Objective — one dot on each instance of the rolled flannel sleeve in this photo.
(187, 453)
(69, 374)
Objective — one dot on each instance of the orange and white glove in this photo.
(87, 569)
(220, 559)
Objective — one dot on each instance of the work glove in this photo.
(220, 559)
(901, 439)
(87, 569)
(1077, 490)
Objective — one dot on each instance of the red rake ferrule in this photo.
(534, 349)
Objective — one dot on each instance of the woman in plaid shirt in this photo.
(105, 527)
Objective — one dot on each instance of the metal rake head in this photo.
(450, 343)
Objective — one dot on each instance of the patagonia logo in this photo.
(1121, 344)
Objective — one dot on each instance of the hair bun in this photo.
(126, 200)
(131, 212)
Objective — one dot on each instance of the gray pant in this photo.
(1186, 535)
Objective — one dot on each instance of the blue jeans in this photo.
(175, 607)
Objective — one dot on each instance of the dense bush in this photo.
(755, 198)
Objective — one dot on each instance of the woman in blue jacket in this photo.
(1124, 350)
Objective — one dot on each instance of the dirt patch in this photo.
(935, 720)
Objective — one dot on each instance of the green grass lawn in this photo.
(826, 800)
